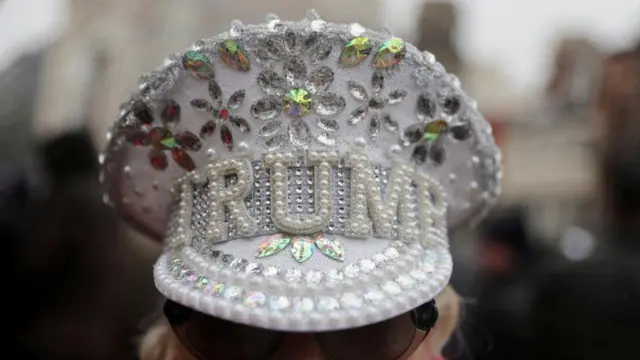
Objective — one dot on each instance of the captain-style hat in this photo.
(302, 174)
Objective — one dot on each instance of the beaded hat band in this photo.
(303, 173)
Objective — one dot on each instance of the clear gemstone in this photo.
(460, 132)
(406, 282)
(276, 142)
(335, 276)
(238, 264)
(377, 81)
(215, 93)
(351, 301)
(240, 123)
(418, 275)
(367, 266)
(357, 90)
(253, 268)
(226, 259)
(271, 271)
(319, 80)
(271, 128)
(236, 99)
(329, 125)
(201, 105)
(329, 104)
(294, 72)
(412, 134)
(326, 139)
(314, 277)
(451, 105)
(437, 154)
(379, 258)
(233, 293)
(391, 288)
(303, 305)
(373, 295)
(279, 303)
(390, 124)
(290, 41)
(299, 134)
(396, 96)
(357, 115)
(327, 303)
(426, 107)
(293, 275)
(391, 253)
(255, 299)
(271, 83)
(266, 108)
(374, 126)
(351, 271)
(273, 48)
(376, 102)
(320, 52)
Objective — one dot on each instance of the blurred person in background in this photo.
(508, 266)
(589, 310)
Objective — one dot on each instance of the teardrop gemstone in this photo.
(233, 55)
(198, 65)
(182, 158)
(226, 137)
(355, 51)
(390, 53)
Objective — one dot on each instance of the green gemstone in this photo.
(202, 282)
(176, 262)
(390, 53)
(233, 55)
(302, 248)
(273, 245)
(433, 130)
(330, 247)
(297, 103)
(356, 51)
(198, 65)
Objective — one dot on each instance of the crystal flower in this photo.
(375, 105)
(163, 139)
(303, 246)
(221, 114)
(429, 139)
(297, 94)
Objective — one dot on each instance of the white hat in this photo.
(303, 173)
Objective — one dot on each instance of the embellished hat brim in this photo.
(359, 294)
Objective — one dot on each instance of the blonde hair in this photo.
(161, 343)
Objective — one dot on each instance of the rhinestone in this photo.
(420, 154)
(299, 134)
(418, 275)
(215, 92)
(269, 129)
(170, 114)
(367, 266)
(314, 277)
(335, 276)
(319, 80)
(327, 303)
(293, 275)
(451, 105)
(255, 299)
(373, 295)
(238, 264)
(426, 107)
(236, 99)
(226, 137)
(158, 159)
(437, 154)
(351, 301)
(356, 115)
(233, 293)
(461, 132)
(391, 288)
(374, 126)
(271, 83)
(208, 129)
(320, 52)
(391, 253)
(412, 134)
(142, 112)
(297, 103)
(377, 81)
(303, 305)
(233, 55)
(357, 91)
(240, 123)
(290, 40)
(216, 288)
(329, 125)
(355, 51)
(351, 271)
(279, 303)
(294, 72)
(302, 248)
(329, 104)
(434, 129)
(202, 282)
(226, 259)
(325, 139)
(390, 124)
(271, 271)
(266, 109)
(406, 282)
(189, 141)
(183, 159)
(198, 65)
(390, 53)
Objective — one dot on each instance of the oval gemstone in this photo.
(356, 51)
(297, 103)
(198, 65)
(433, 130)
(390, 53)
(233, 55)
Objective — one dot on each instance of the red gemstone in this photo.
(224, 114)
(208, 129)
(136, 137)
(182, 158)
(227, 138)
(171, 112)
(189, 141)
(158, 159)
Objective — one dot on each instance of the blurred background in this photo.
(558, 80)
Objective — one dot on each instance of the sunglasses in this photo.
(210, 338)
